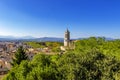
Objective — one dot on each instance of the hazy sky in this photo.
(50, 18)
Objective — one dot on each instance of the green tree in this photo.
(19, 56)
(92, 59)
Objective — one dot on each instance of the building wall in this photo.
(67, 38)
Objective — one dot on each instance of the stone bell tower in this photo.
(67, 38)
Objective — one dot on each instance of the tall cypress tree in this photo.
(19, 56)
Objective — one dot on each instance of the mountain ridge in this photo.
(41, 39)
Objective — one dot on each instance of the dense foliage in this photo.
(19, 56)
(69, 66)
(92, 59)
(111, 47)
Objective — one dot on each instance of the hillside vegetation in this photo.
(54, 46)
(109, 48)
(92, 59)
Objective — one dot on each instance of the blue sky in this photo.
(50, 18)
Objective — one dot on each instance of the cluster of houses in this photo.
(8, 49)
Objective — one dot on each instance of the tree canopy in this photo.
(92, 59)
(19, 56)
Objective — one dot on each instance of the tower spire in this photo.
(67, 30)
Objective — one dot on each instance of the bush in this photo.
(70, 66)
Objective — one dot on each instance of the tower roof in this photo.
(67, 30)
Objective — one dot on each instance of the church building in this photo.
(67, 38)
(68, 44)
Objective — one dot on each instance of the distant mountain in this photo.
(8, 37)
(106, 38)
(12, 37)
(30, 38)
(42, 39)
(109, 39)
(26, 37)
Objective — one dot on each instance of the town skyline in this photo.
(50, 18)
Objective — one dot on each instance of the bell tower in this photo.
(67, 38)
